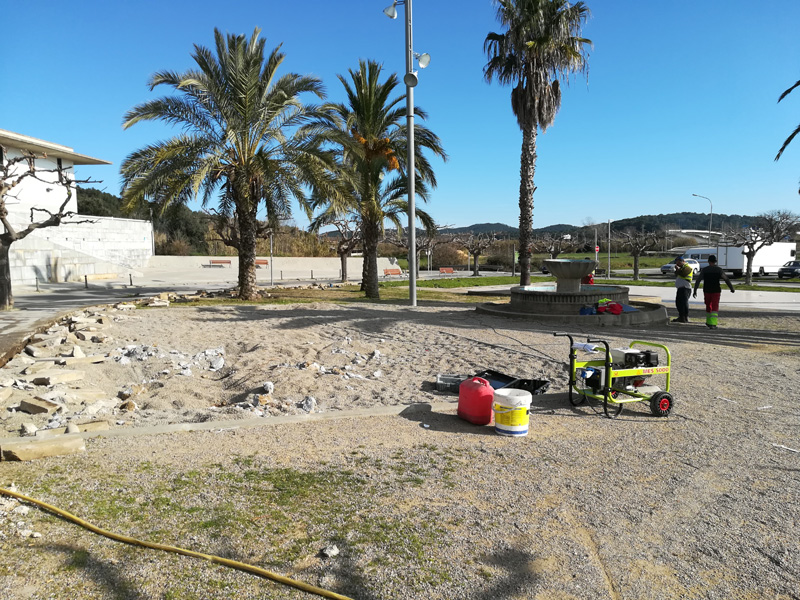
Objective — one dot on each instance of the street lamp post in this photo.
(710, 215)
(410, 79)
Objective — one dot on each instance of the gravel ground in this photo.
(702, 504)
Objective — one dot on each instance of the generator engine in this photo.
(621, 358)
(629, 358)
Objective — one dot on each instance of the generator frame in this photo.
(612, 397)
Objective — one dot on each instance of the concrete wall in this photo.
(283, 268)
(126, 242)
(34, 259)
(103, 248)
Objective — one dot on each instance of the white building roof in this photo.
(19, 141)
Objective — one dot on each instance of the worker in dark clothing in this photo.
(683, 283)
(711, 277)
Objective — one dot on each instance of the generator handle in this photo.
(563, 334)
(605, 343)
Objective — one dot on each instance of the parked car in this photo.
(669, 268)
(790, 269)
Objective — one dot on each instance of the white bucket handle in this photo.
(502, 412)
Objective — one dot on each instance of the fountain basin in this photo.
(545, 299)
(569, 272)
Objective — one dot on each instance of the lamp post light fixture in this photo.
(411, 80)
(710, 215)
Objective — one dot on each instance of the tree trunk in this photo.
(527, 168)
(248, 286)
(748, 280)
(6, 298)
(636, 267)
(343, 260)
(370, 282)
(476, 272)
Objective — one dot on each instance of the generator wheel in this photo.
(612, 410)
(661, 404)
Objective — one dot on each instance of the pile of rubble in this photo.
(50, 388)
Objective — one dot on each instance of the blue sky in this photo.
(681, 96)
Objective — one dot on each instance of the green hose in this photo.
(209, 557)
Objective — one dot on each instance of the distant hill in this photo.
(682, 220)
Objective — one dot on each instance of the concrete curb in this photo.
(251, 423)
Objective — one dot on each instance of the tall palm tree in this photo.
(371, 141)
(247, 140)
(796, 130)
(541, 45)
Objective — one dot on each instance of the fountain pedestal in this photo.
(569, 273)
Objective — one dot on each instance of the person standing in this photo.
(683, 283)
(712, 290)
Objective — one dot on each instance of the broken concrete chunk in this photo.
(35, 406)
(37, 367)
(54, 376)
(28, 429)
(128, 405)
(65, 444)
(99, 406)
(86, 360)
(5, 393)
(99, 338)
(35, 351)
(124, 306)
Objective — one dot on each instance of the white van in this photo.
(700, 255)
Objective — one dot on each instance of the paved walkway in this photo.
(773, 301)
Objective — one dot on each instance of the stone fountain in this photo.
(563, 301)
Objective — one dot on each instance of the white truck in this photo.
(767, 259)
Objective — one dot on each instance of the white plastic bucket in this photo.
(511, 411)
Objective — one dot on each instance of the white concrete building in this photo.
(105, 247)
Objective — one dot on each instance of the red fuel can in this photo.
(475, 401)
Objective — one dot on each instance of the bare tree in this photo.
(349, 229)
(554, 244)
(476, 245)
(769, 227)
(426, 243)
(637, 242)
(13, 171)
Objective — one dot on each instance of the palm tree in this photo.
(796, 130)
(541, 45)
(247, 141)
(371, 142)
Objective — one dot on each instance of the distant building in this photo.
(105, 248)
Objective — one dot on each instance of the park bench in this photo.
(446, 271)
(219, 262)
(261, 262)
(390, 272)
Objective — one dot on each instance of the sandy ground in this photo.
(702, 504)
